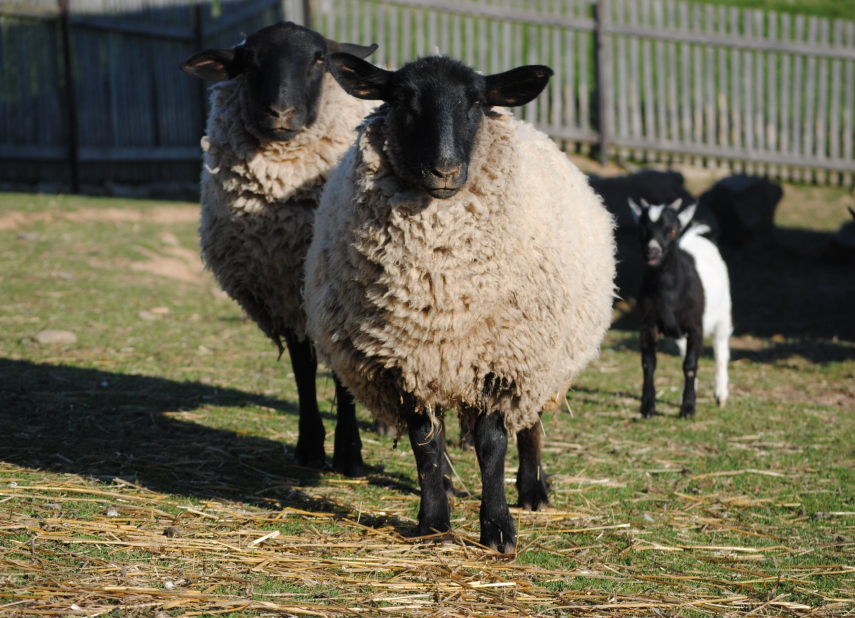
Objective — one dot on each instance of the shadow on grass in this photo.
(783, 289)
(820, 352)
(105, 425)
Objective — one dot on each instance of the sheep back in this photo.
(490, 300)
(259, 198)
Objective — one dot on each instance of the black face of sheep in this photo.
(436, 107)
(659, 229)
(284, 65)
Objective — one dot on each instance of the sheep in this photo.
(685, 294)
(459, 261)
(278, 124)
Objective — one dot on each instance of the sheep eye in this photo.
(401, 96)
(673, 233)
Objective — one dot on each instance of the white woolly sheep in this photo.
(459, 261)
(278, 124)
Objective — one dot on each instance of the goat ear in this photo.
(517, 86)
(636, 210)
(675, 205)
(645, 203)
(360, 51)
(359, 78)
(218, 65)
(686, 216)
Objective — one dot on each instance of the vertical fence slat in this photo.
(583, 41)
(673, 106)
(634, 85)
(747, 87)
(648, 69)
(759, 86)
(772, 72)
(661, 74)
(849, 107)
(836, 82)
(709, 73)
(810, 91)
(697, 86)
(822, 98)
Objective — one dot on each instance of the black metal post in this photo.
(70, 99)
(599, 62)
(307, 13)
(199, 37)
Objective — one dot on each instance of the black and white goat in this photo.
(685, 294)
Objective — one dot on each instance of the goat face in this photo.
(284, 66)
(660, 228)
(436, 105)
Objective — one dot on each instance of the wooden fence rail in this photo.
(655, 80)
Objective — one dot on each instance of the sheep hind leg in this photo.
(428, 445)
(309, 451)
(447, 471)
(347, 456)
(721, 351)
(491, 446)
(531, 480)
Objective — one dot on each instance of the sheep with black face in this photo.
(685, 294)
(278, 124)
(459, 261)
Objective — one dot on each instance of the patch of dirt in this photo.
(166, 215)
(178, 263)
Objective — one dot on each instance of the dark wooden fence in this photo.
(127, 114)
(654, 80)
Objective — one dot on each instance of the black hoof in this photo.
(648, 410)
(434, 526)
(687, 411)
(348, 461)
(500, 537)
(535, 497)
(310, 456)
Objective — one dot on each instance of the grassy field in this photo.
(145, 469)
(832, 9)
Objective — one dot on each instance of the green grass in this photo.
(184, 420)
(832, 9)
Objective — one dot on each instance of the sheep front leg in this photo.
(347, 456)
(491, 446)
(531, 481)
(310, 442)
(649, 336)
(694, 347)
(429, 449)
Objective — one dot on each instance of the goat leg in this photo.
(694, 347)
(649, 336)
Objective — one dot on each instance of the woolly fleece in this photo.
(259, 199)
(492, 299)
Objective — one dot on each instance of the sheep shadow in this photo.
(104, 425)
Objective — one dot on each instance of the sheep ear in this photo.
(675, 205)
(218, 65)
(359, 78)
(360, 51)
(686, 216)
(517, 86)
(636, 210)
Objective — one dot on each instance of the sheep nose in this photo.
(446, 171)
(282, 114)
